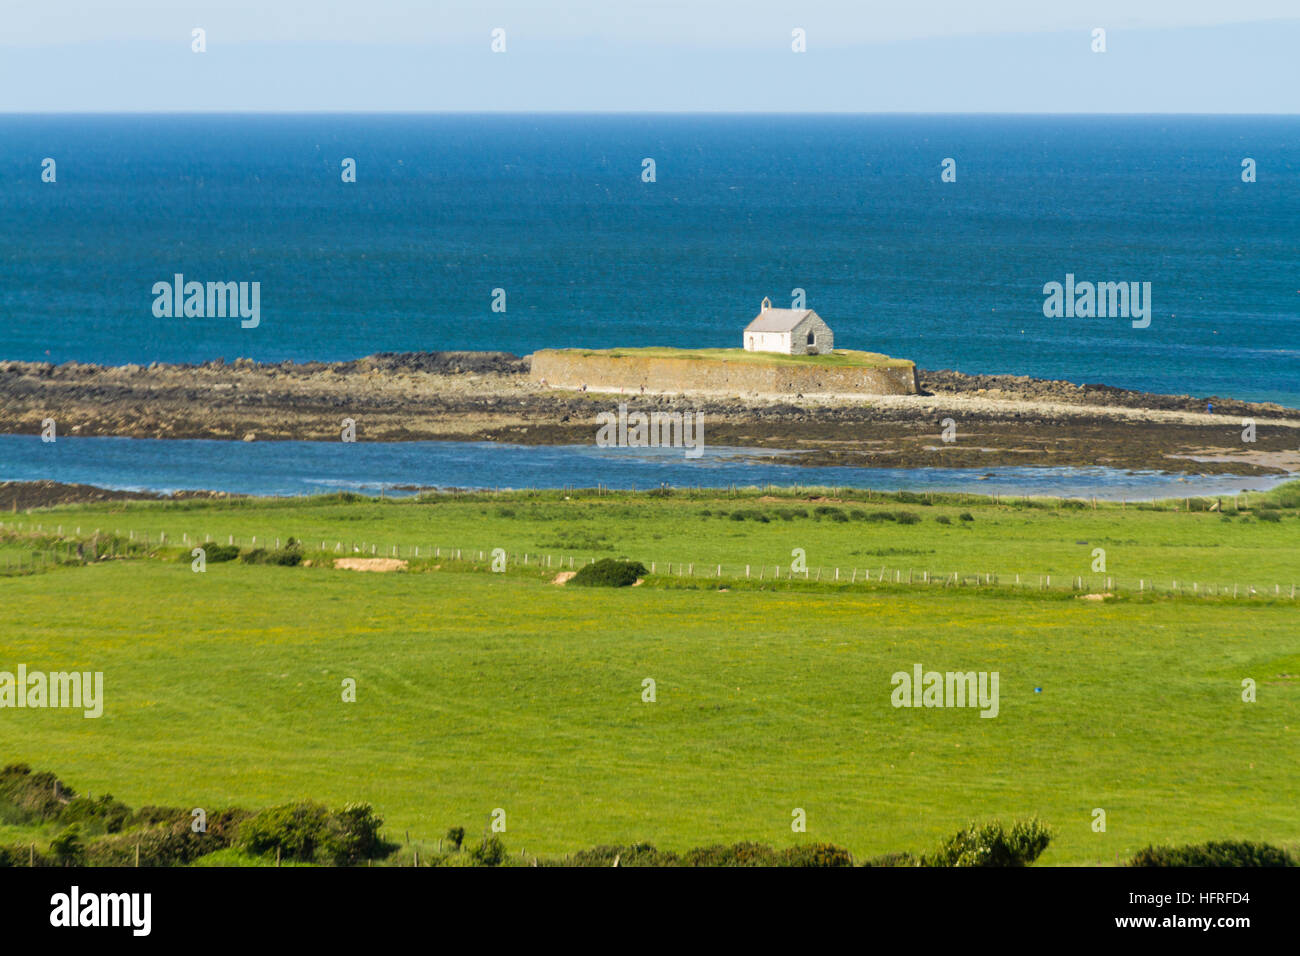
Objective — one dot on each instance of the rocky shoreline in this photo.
(487, 396)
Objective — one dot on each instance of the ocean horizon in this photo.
(553, 211)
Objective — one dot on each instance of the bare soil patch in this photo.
(370, 564)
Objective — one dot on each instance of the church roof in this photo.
(778, 320)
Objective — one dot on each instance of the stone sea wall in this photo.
(606, 373)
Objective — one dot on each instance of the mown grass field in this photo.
(478, 690)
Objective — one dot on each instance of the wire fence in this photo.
(98, 544)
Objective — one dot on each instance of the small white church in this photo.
(788, 331)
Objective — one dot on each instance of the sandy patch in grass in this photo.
(369, 564)
(563, 577)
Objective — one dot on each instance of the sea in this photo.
(519, 232)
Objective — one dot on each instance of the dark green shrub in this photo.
(990, 844)
(1224, 853)
(150, 815)
(455, 837)
(355, 835)
(99, 814)
(213, 553)
(737, 854)
(297, 830)
(880, 516)
(27, 797)
(942, 519)
(893, 859)
(816, 854)
(738, 516)
(67, 848)
(638, 854)
(309, 832)
(173, 844)
(490, 852)
(609, 573)
(1269, 516)
(907, 517)
(288, 557)
(23, 856)
(965, 516)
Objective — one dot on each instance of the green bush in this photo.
(297, 830)
(907, 517)
(1269, 516)
(1225, 853)
(172, 844)
(990, 844)
(27, 797)
(288, 557)
(309, 832)
(455, 837)
(737, 854)
(67, 848)
(638, 854)
(101, 814)
(942, 519)
(965, 516)
(355, 835)
(893, 859)
(609, 573)
(23, 856)
(490, 852)
(213, 553)
(816, 854)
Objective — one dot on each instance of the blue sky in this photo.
(625, 55)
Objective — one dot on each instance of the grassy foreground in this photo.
(478, 691)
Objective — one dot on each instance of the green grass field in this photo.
(479, 690)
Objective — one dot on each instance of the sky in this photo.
(1172, 56)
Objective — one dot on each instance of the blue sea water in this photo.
(309, 468)
(553, 209)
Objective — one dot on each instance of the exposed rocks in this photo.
(487, 396)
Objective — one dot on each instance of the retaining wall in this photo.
(606, 373)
